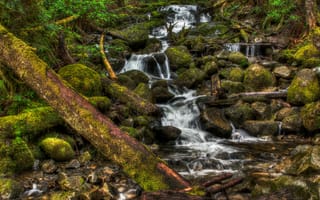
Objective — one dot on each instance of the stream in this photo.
(197, 153)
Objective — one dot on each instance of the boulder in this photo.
(210, 67)
(179, 57)
(304, 53)
(82, 78)
(190, 78)
(137, 76)
(231, 87)
(57, 149)
(261, 128)
(236, 74)
(143, 91)
(165, 134)
(161, 94)
(291, 124)
(304, 88)
(215, 122)
(240, 112)
(305, 160)
(283, 72)
(262, 110)
(256, 78)
(238, 58)
(310, 116)
(10, 189)
(136, 35)
(127, 81)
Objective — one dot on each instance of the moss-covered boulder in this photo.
(231, 87)
(311, 117)
(126, 81)
(239, 113)
(304, 53)
(210, 67)
(236, 74)
(304, 88)
(161, 94)
(305, 160)
(57, 149)
(283, 72)
(262, 110)
(102, 103)
(83, 79)
(256, 77)
(190, 78)
(215, 122)
(261, 127)
(164, 134)
(10, 189)
(238, 58)
(137, 76)
(292, 124)
(15, 156)
(179, 57)
(143, 91)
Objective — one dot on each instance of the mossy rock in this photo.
(143, 91)
(239, 113)
(197, 44)
(292, 124)
(238, 58)
(231, 87)
(304, 88)
(83, 79)
(131, 131)
(210, 68)
(161, 94)
(261, 127)
(141, 121)
(102, 103)
(256, 77)
(310, 116)
(57, 149)
(137, 76)
(306, 52)
(10, 189)
(15, 156)
(126, 81)
(179, 57)
(136, 35)
(190, 78)
(236, 74)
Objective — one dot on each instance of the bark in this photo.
(311, 13)
(136, 160)
(131, 99)
(167, 195)
(105, 61)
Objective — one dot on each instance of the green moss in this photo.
(62, 195)
(191, 77)
(232, 86)
(141, 121)
(83, 79)
(10, 189)
(21, 155)
(310, 116)
(179, 57)
(236, 74)
(304, 88)
(57, 149)
(238, 58)
(306, 52)
(256, 77)
(131, 131)
(143, 91)
(101, 103)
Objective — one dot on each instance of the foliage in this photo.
(278, 9)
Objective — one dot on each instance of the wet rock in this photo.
(179, 57)
(49, 166)
(292, 124)
(262, 110)
(239, 113)
(261, 128)
(73, 164)
(238, 58)
(310, 116)
(256, 77)
(166, 134)
(214, 121)
(84, 79)
(57, 149)
(283, 72)
(161, 94)
(10, 189)
(304, 88)
(190, 78)
(73, 183)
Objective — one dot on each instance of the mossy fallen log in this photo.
(131, 99)
(136, 160)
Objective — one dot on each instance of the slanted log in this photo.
(218, 188)
(136, 160)
(129, 98)
(105, 61)
(169, 195)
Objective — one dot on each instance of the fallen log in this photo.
(136, 160)
(217, 179)
(129, 98)
(218, 188)
(105, 61)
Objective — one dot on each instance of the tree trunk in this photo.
(137, 161)
(311, 13)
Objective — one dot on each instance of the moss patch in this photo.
(57, 149)
(256, 77)
(83, 79)
(179, 57)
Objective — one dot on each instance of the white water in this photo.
(250, 50)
